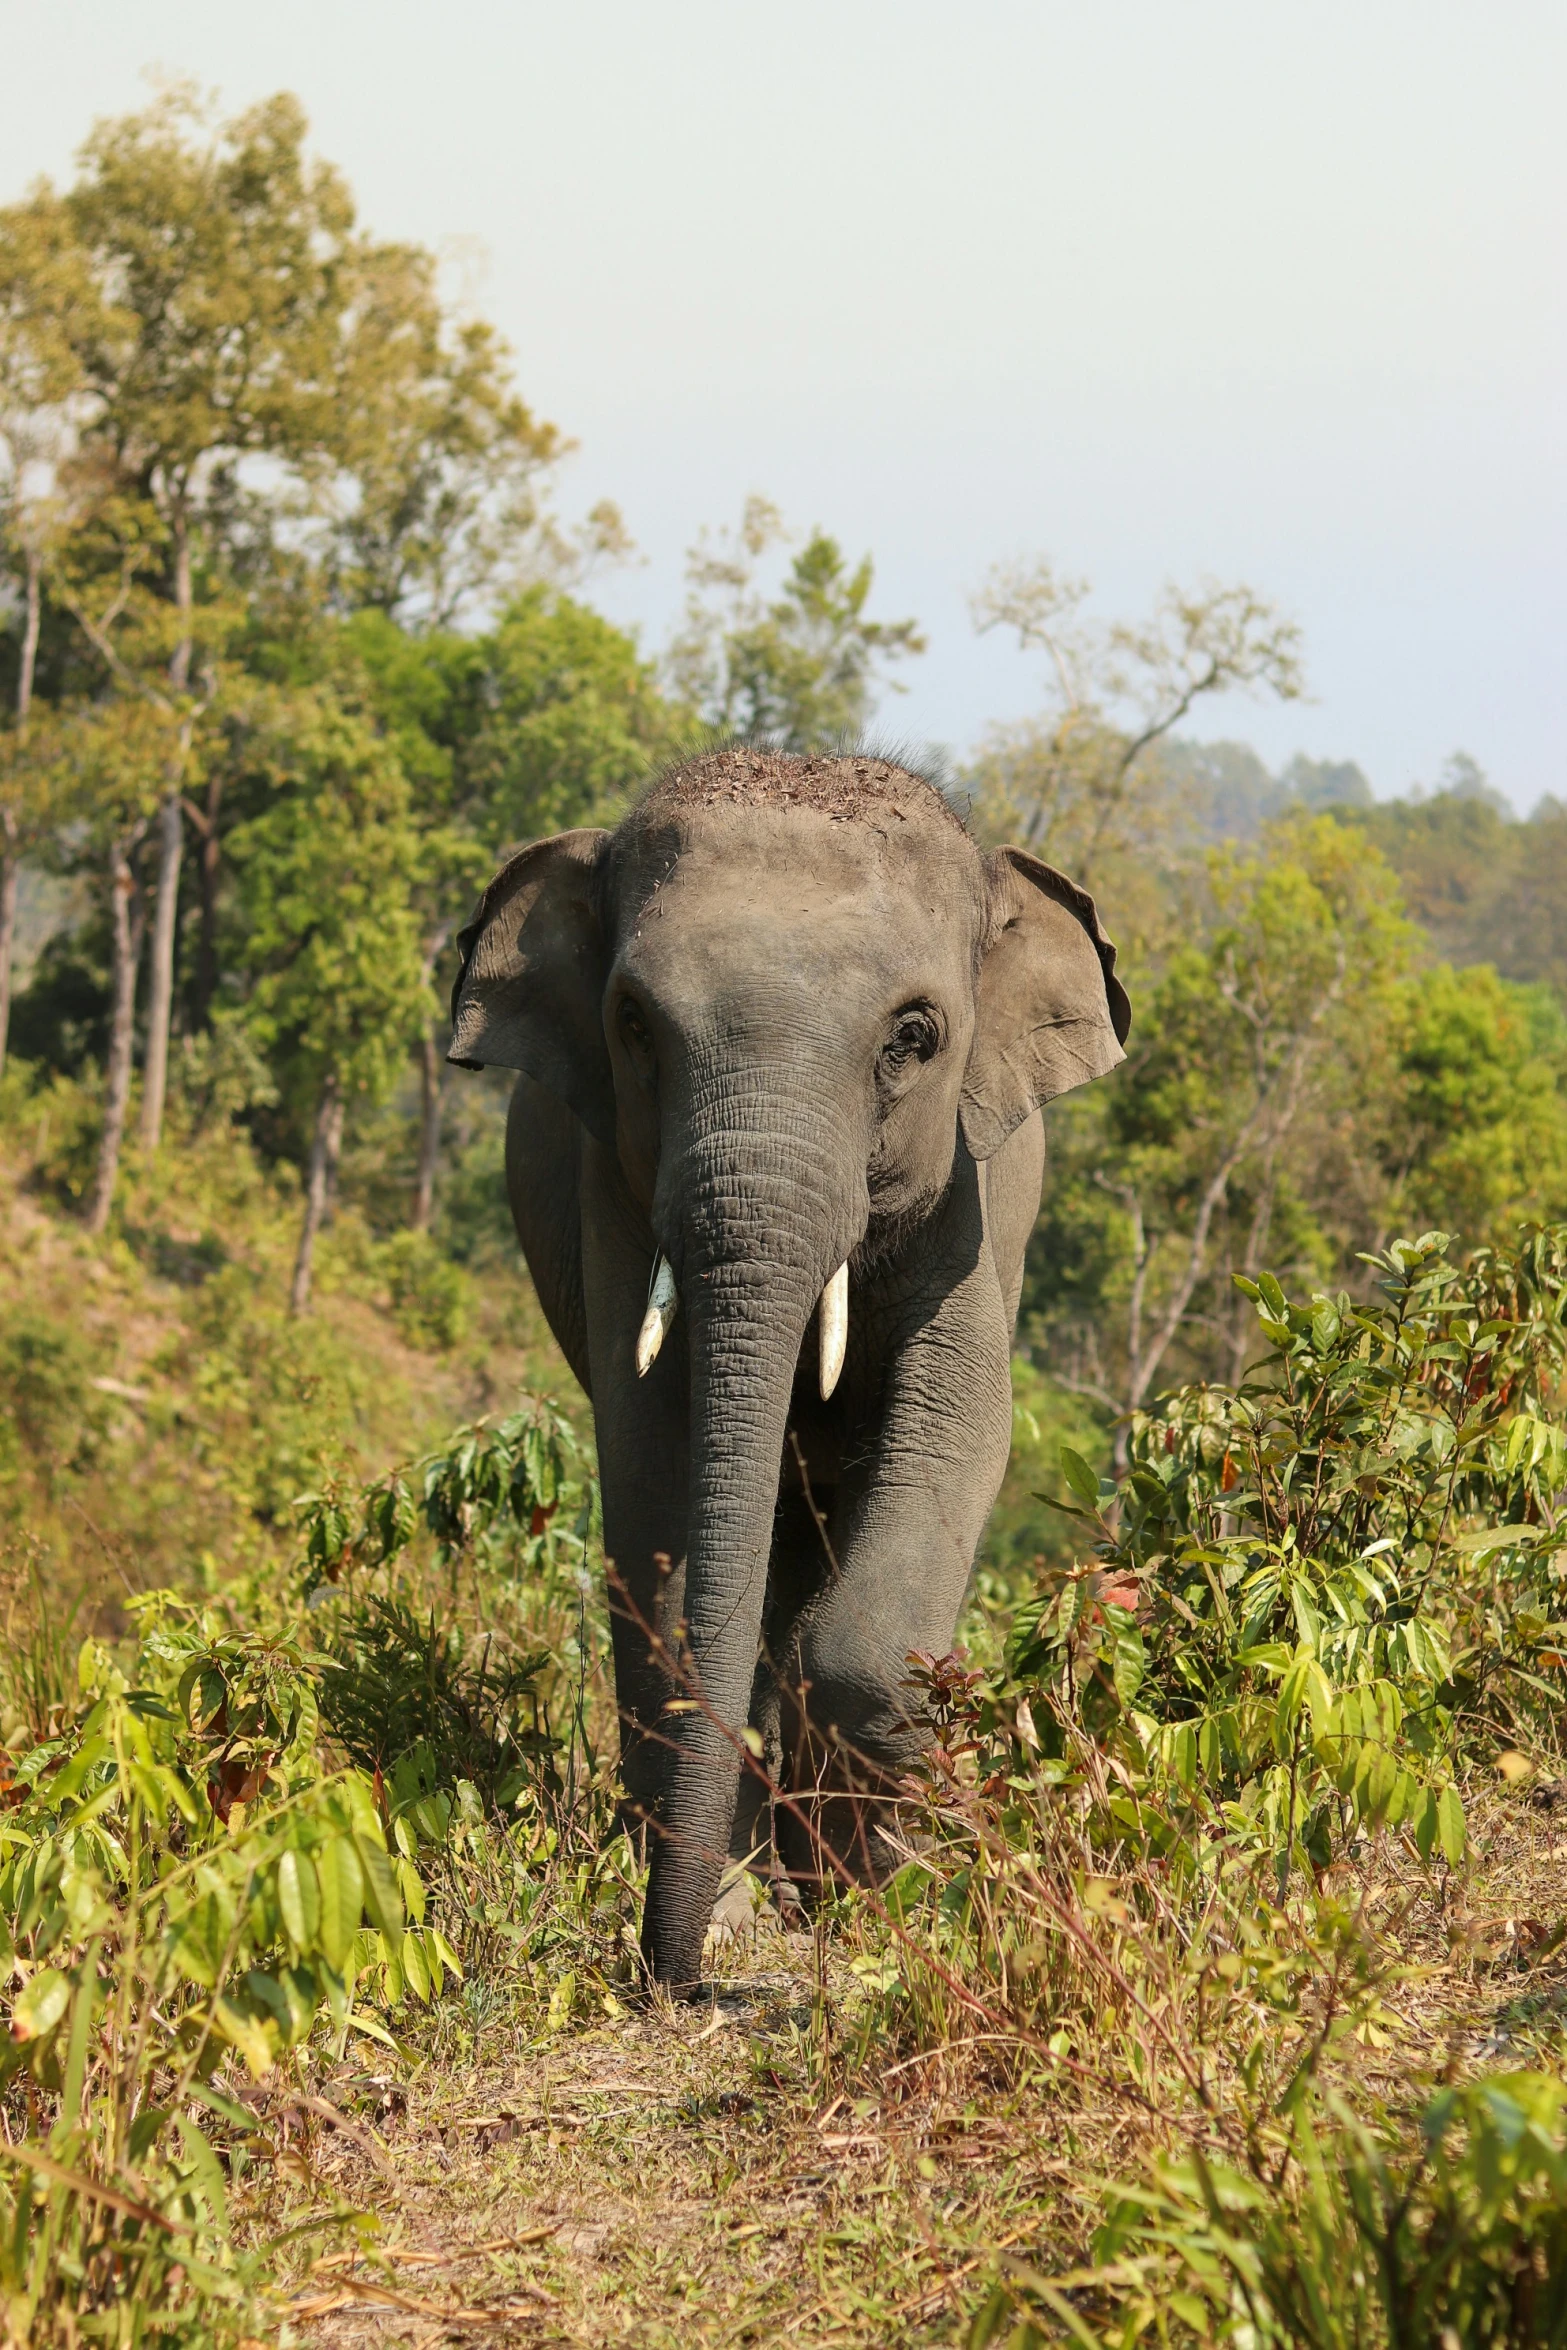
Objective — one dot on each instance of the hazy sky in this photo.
(1271, 292)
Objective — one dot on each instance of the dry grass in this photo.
(728, 2173)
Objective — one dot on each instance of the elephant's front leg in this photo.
(902, 1544)
(642, 1426)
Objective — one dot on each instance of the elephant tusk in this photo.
(834, 1328)
(663, 1303)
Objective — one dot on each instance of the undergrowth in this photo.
(1189, 1854)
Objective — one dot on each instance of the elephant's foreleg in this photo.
(904, 1545)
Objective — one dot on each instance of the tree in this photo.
(39, 380)
(1476, 1136)
(24, 525)
(107, 758)
(548, 719)
(1252, 1052)
(799, 670)
(104, 756)
(201, 310)
(435, 488)
(329, 938)
(1084, 783)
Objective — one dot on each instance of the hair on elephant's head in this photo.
(785, 992)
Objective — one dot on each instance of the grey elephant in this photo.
(773, 1156)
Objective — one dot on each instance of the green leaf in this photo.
(342, 1897)
(243, 2032)
(1080, 1477)
(205, 2171)
(40, 2004)
(299, 1899)
(382, 1898)
(416, 1971)
(1450, 1826)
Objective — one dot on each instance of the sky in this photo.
(1264, 293)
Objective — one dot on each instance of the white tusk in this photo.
(663, 1303)
(834, 1328)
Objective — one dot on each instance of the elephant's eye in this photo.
(633, 1027)
(915, 1037)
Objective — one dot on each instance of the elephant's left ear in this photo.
(1051, 1012)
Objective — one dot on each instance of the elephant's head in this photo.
(785, 992)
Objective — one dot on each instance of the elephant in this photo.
(774, 1153)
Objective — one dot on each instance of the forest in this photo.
(1222, 1999)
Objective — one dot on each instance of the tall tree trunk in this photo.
(171, 843)
(10, 877)
(10, 830)
(429, 1130)
(209, 865)
(128, 916)
(324, 1146)
(430, 1107)
(160, 1002)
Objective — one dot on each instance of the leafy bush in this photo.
(196, 1892)
(1347, 2243)
(431, 1297)
(1316, 1587)
(182, 1889)
(1321, 1597)
(397, 1684)
(509, 1492)
(50, 1413)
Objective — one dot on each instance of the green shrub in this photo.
(183, 1892)
(1347, 2240)
(431, 1298)
(51, 1416)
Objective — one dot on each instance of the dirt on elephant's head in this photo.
(835, 784)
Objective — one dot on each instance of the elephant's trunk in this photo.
(759, 1194)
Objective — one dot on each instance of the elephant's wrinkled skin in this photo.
(788, 1014)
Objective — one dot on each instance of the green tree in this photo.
(1253, 1049)
(800, 669)
(326, 880)
(201, 309)
(1477, 1139)
(435, 484)
(38, 377)
(548, 719)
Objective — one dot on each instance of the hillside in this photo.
(160, 1409)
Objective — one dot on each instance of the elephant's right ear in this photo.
(530, 989)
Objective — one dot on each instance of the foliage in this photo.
(1296, 1089)
(1480, 1135)
(509, 1494)
(195, 1893)
(433, 484)
(431, 1297)
(567, 720)
(47, 1404)
(324, 876)
(1298, 1639)
(182, 1892)
(1253, 1051)
(798, 670)
(1463, 2240)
